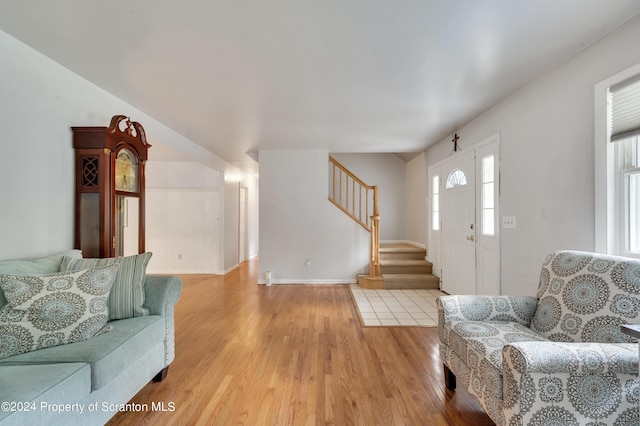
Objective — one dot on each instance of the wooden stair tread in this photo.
(416, 277)
(402, 250)
(400, 281)
(404, 262)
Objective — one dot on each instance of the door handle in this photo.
(471, 238)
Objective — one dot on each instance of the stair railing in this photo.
(360, 202)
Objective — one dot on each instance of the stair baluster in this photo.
(345, 200)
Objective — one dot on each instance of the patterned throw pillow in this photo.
(51, 310)
(127, 295)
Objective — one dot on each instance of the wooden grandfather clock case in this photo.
(110, 188)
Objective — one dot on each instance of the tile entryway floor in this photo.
(396, 307)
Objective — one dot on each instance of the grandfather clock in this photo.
(110, 190)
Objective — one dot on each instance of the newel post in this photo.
(374, 265)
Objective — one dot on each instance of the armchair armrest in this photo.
(565, 357)
(161, 295)
(486, 308)
(579, 382)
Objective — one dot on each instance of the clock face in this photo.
(126, 171)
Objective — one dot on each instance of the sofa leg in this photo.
(449, 378)
(161, 375)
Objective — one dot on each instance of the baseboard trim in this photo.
(226, 271)
(182, 272)
(311, 282)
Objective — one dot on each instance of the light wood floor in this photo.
(248, 354)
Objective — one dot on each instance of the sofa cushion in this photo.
(107, 354)
(585, 297)
(41, 266)
(50, 310)
(127, 295)
(479, 344)
(34, 385)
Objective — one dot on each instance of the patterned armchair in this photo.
(558, 358)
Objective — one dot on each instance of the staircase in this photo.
(391, 266)
(402, 266)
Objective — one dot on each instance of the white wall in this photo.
(297, 222)
(389, 172)
(253, 219)
(417, 208)
(547, 157)
(39, 101)
(231, 224)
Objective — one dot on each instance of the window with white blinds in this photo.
(624, 132)
(624, 107)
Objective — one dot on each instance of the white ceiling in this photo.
(238, 76)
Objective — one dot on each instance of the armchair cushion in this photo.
(480, 345)
(518, 309)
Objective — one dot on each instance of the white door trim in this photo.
(488, 246)
(488, 276)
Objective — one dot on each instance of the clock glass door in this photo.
(127, 203)
(126, 225)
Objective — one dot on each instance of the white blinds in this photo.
(625, 109)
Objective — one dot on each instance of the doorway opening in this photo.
(242, 223)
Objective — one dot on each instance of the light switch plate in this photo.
(509, 222)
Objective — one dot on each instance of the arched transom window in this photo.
(456, 178)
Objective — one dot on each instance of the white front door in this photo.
(458, 191)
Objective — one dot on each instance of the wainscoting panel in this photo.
(183, 231)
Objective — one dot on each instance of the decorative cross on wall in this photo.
(455, 142)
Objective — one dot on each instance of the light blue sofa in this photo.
(88, 382)
(558, 358)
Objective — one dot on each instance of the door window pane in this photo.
(435, 208)
(488, 196)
